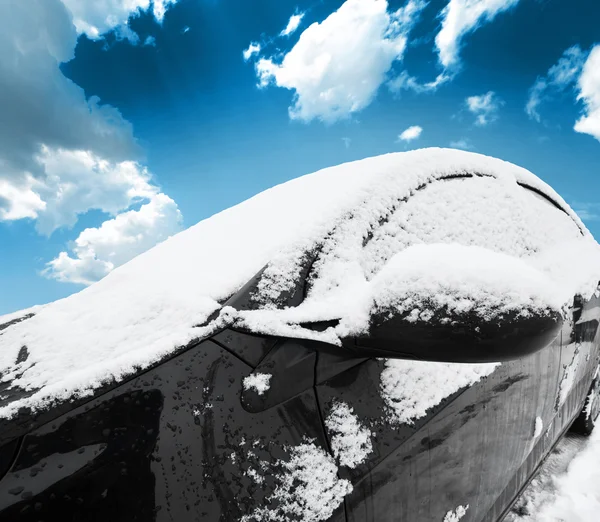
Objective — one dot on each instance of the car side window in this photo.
(473, 211)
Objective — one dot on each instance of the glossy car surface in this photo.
(187, 440)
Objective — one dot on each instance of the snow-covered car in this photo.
(404, 337)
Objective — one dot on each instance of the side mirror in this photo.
(465, 340)
(456, 303)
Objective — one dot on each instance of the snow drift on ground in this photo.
(566, 488)
(371, 222)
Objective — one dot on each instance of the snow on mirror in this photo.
(449, 302)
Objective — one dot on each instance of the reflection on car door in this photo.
(471, 449)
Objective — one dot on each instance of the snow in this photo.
(538, 428)
(566, 488)
(457, 514)
(308, 488)
(365, 219)
(566, 383)
(410, 388)
(21, 314)
(462, 279)
(350, 441)
(259, 382)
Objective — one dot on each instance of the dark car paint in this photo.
(176, 442)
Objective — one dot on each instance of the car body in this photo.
(250, 424)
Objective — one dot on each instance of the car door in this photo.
(177, 443)
(439, 447)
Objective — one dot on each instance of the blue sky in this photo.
(125, 122)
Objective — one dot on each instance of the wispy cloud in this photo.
(406, 82)
(253, 48)
(293, 24)
(410, 134)
(560, 76)
(347, 142)
(94, 18)
(461, 17)
(485, 107)
(587, 211)
(463, 143)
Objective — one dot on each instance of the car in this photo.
(404, 337)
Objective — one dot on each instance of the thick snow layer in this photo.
(410, 388)
(20, 315)
(359, 217)
(462, 279)
(350, 441)
(259, 382)
(308, 488)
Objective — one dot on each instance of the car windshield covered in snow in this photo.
(413, 232)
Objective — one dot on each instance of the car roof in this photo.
(146, 309)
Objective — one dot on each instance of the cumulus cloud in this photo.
(410, 134)
(337, 66)
(97, 251)
(77, 181)
(41, 106)
(292, 24)
(560, 76)
(19, 201)
(589, 92)
(94, 18)
(485, 107)
(461, 17)
(62, 154)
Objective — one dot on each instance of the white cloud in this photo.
(412, 133)
(77, 181)
(484, 107)
(97, 251)
(461, 17)
(589, 92)
(94, 18)
(19, 201)
(337, 66)
(406, 82)
(347, 142)
(39, 105)
(62, 154)
(560, 76)
(292, 24)
(253, 48)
